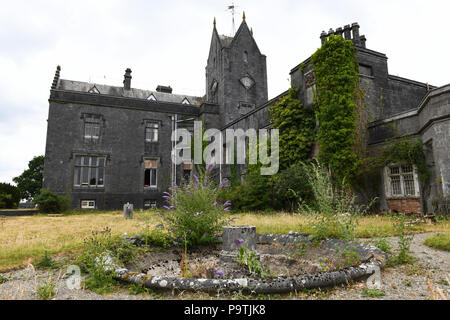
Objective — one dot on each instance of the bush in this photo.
(102, 252)
(50, 202)
(9, 196)
(291, 188)
(335, 210)
(194, 214)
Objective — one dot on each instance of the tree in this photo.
(30, 181)
(9, 196)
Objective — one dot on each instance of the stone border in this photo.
(374, 258)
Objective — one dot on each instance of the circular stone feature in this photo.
(234, 237)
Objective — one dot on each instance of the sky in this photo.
(167, 42)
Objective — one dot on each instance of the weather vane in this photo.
(232, 9)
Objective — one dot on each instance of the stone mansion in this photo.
(109, 145)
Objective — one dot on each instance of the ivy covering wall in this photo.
(297, 128)
(337, 83)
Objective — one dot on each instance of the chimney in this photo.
(363, 41)
(355, 31)
(164, 89)
(127, 79)
(56, 78)
(339, 31)
(347, 32)
(323, 37)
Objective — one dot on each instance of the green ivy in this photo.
(337, 82)
(296, 125)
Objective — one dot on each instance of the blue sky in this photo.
(167, 42)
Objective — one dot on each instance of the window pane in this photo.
(86, 161)
(147, 178)
(96, 131)
(84, 175)
(395, 170)
(87, 130)
(101, 162)
(408, 180)
(93, 178)
(78, 160)
(100, 176)
(77, 176)
(407, 169)
(93, 161)
(153, 180)
(395, 185)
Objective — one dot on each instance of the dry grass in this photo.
(25, 239)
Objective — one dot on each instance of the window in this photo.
(150, 173)
(92, 128)
(186, 101)
(187, 171)
(402, 180)
(245, 56)
(94, 90)
(89, 171)
(87, 204)
(149, 204)
(151, 132)
(151, 98)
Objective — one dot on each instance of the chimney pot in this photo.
(127, 79)
(347, 32)
(165, 89)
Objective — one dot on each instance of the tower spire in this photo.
(214, 23)
(243, 17)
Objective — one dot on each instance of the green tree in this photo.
(30, 181)
(9, 196)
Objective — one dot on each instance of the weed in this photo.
(47, 262)
(46, 291)
(373, 293)
(137, 289)
(440, 241)
(249, 259)
(3, 279)
(402, 255)
(382, 244)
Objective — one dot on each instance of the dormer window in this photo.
(185, 101)
(151, 98)
(245, 56)
(94, 90)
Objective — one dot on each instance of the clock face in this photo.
(247, 82)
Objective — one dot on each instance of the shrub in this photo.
(402, 254)
(194, 214)
(291, 188)
(9, 196)
(102, 252)
(335, 209)
(50, 202)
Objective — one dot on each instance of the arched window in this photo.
(245, 56)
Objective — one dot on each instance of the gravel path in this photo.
(399, 283)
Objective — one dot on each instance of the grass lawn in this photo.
(24, 240)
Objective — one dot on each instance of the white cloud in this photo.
(167, 42)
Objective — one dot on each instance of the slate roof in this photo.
(79, 86)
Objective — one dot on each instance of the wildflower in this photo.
(216, 204)
(196, 178)
(238, 242)
(227, 209)
(228, 203)
(217, 235)
(219, 273)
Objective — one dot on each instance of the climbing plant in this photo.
(296, 125)
(337, 82)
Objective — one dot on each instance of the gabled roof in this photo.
(79, 86)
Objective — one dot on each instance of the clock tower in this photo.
(236, 74)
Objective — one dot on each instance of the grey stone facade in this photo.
(235, 97)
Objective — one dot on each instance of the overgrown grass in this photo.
(26, 239)
(439, 241)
